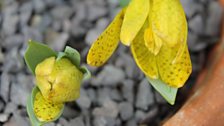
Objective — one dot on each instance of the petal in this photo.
(152, 41)
(145, 60)
(168, 21)
(44, 110)
(107, 42)
(174, 74)
(134, 19)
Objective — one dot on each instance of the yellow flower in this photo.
(156, 31)
(59, 81)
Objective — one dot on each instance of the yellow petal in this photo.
(174, 74)
(168, 21)
(134, 19)
(145, 59)
(152, 41)
(44, 110)
(107, 42)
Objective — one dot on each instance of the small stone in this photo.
(95, 12)
(196, 24)
(50, 124)
(103, 95)
(215, 14)
(60, 41)
(4, 87)
(62, 12)
(92, 35)
(77, 122)
(191, 7)
(110, 76)
(39, 6)
(63, 121)
(15, 40)
(83, 101)
(126, 110)
(151, 115)
(92, 95)
(1, 105)
(25, 13)
(17, 120)
(4, 117)
(144, 95)
(10, 23)
(32, 33)
(131, 122)
(102, 23)
(128, 90)
(69, 112)
(10, 108)
(139, 115)
(115, 95)
(99, 121)
(19, 94)
(109, 109)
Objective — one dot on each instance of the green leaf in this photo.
(72, 54)
(30, 111)
(168, 92)
(29, 108)
(124, 3)
(36, 53)
(86, 72)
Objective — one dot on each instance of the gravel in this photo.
(117, 94)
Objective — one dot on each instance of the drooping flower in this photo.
(156, 30)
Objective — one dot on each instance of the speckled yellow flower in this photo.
(156, 31)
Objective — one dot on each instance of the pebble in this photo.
(215, 14)
(13, 41)
(110, 76)
(10, 108)
(83, 101)
(131, 122)
(69, 112)
(1, 105)
(126, 110)
(4, 117)
(77, 122)
(5, 86)
(128, 90)
(109, 109)
(103, 95)
(39, 6)
(95, 12)
(144, 95)
(10, 23)
(196, 24)
(19, 94)
(62, 12)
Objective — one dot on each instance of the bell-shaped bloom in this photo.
(156, 30)
(58, 80)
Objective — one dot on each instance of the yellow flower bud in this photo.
(58, 80)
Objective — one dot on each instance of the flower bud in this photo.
(58, 80)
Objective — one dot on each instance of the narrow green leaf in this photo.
(29, 108)
(72, 54)
(86, 72)
(168, 92)
(36, 53)
(124, 3)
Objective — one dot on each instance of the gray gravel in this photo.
(117, 94)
